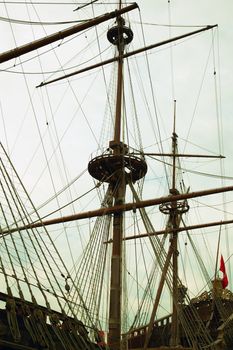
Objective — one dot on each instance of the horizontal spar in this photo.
(34, 45)
(120, 208)
(179, 229)
(126, 55)
(179, 155)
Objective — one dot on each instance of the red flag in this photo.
(223, 269)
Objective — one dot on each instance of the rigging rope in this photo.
(202, 338)
(153, 100)
(19, 21)
(33, 254)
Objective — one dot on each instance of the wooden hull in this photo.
(26, 326)
(220, 330)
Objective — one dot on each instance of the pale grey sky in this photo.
(184, 72)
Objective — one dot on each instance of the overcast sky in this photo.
(184, 72)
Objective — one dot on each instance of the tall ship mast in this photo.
(124, 268)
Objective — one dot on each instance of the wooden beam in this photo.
(178, 155)
(21, 50)
(128, 54)
(180, 229)
(119, 208)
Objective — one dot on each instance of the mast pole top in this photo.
(119, 35)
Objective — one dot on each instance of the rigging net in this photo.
(35, 281)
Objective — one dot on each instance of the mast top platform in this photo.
(107, 166)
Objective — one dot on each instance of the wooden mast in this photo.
(118, 190)
(110, 167)
(174, 219)
(174, 209)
